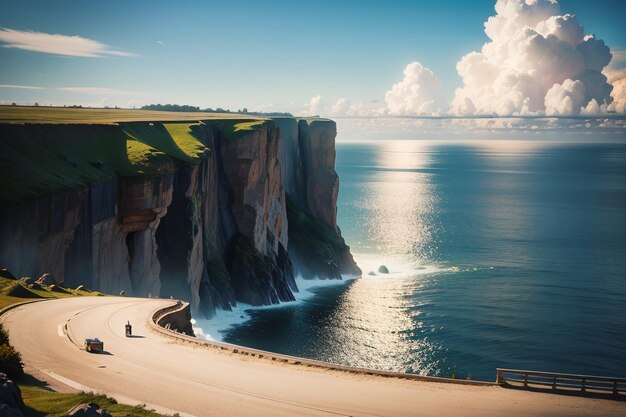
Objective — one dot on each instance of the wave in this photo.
(216, 327)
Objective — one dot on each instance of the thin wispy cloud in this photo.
(100, 91)
(94, 91)
(161, 43)
(57, 44)
(24, 87)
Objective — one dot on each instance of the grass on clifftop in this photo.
(41, 114)
(49, 149)
(40, 159)
(236, 129)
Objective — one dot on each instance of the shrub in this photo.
(4, 336)
(11, 362)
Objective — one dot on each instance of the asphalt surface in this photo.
(177, 376)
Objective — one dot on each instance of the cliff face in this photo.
(212, 213)
(316, 245)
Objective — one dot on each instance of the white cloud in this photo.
(56, 44)
(343, 107)
(25, 87)
(538, 61)
(161, 43)
(100, 91)
(566, 98)
(419, 93)
(315, 105)
(618, 79)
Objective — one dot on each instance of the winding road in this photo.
(178, 376)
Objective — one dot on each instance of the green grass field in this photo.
(41, 114)
(48, 149)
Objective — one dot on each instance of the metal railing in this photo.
(557, 381)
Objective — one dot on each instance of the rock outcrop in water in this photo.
(213, 212)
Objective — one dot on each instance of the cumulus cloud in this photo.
(56, 44)
(618, 80)
(537, 61)
(315, 105)
(343, 107)
(419, 93)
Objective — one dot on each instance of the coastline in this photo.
(208, 381)
(300, 361)
(213, 329)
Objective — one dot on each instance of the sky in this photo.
(334, 58)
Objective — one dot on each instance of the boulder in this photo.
(372, 273)
(383, 269)
(58, 289)
(47, 279)
(10, 395)
(88, 410)
(5, 273)
(6, 411)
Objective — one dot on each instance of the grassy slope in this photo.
(43, 150)
(10, 294)
(43, 402)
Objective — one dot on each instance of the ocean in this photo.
(500, 254)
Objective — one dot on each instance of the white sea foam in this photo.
(215, 327)
(399, 266)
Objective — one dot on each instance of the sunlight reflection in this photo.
(375, 316)
(373, 319)
(400, 200)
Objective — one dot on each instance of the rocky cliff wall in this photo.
(201, 213)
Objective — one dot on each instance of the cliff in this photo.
(212, 212)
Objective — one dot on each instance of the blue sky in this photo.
(274, 55)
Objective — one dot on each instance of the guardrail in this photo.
(557, 381)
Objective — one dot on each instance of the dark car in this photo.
(94, 345)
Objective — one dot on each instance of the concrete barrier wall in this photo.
(176, 318)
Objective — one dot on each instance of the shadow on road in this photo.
(136, 336)
(570, 393)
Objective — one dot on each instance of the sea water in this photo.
(501, 254)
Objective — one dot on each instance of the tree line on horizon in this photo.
(188, 108)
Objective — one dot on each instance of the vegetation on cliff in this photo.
(70, 115)
(315, 248)
(55, 152)
(19, 291)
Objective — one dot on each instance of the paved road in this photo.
(154, 369)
